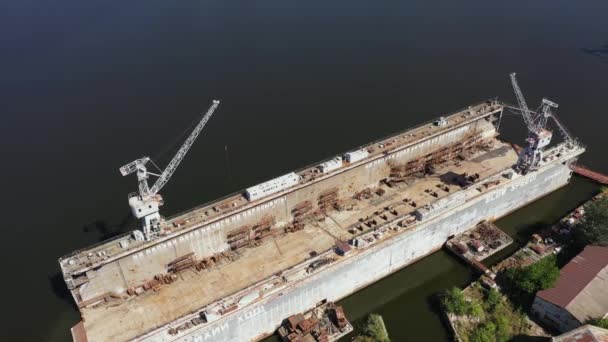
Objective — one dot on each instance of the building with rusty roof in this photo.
(581, 292)
(586, 333)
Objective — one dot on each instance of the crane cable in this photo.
(176, 141)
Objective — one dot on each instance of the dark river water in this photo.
(86, 86)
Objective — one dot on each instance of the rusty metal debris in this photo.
(328, 199)
(251, 235)
(324, 323)
(299, 213)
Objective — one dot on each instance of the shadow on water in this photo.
(433, 302)
(525, 231)
(60, 290)
(601, 53)
(107, 231)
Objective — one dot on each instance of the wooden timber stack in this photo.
(239, 237)
(328, 200)
(400, 173)
(181, 263)
(300, 212)
(250, 235)
(262, 229)
(426, 164)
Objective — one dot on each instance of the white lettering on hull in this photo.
(210, 333)
(251, 313)
(215, 331)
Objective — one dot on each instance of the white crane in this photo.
(538, 135)
(146, 202)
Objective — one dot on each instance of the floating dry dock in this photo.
(233, 269)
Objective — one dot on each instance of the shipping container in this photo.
(330, 165)
(356, 156)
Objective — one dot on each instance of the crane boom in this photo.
(133, 166)
(179, 156)
(522, 102)
(565, 133)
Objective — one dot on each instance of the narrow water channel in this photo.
(406, 299)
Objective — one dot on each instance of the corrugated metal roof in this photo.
(576, 275)
(78, 332)
(586, 333)
(343, 246)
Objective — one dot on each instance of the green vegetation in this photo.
(599, 322)
(484, 333)
(455, 303)
(501, 322)
(498, 321)
(503, 329)
(593, 227)
(373, 330)
(538, 276)
(493, 300)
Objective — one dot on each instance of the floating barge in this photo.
(325, 323)
(232, 269)
(479, 243)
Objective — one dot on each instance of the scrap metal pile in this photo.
(323, 324)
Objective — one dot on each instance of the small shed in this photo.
(342, 247)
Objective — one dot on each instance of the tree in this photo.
(593, 227)
(599, 322)
(538, 276)
(484, 333)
